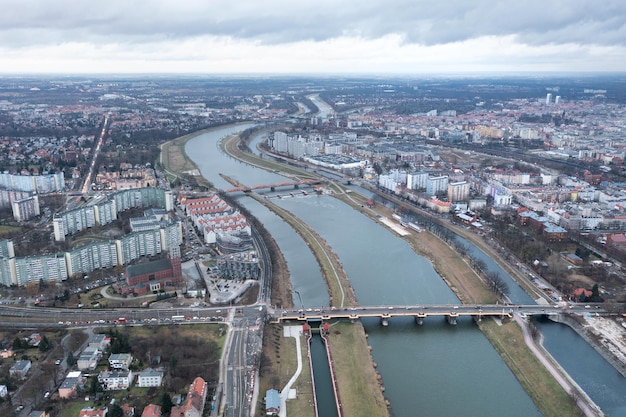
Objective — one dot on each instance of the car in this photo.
(58, 361)
(587, 306)
(47, 394)
(455, 307)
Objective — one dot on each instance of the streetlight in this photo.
(300, 297)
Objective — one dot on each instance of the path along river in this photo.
(433, 370)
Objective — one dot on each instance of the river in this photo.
(434, 370)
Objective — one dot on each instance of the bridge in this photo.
(450, 311)
(33, 317)
(272, 187)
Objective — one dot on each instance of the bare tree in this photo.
(462, 249)
(498, 284)
(479, 264)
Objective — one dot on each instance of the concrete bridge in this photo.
(450, 311)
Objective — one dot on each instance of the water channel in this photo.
(433, 370)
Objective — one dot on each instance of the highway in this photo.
(236, 400)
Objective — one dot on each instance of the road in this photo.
(421, 311)
(242, 353)
(96, 152)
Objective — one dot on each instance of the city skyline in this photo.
(280, 37)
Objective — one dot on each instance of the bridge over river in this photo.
(450, 311)
(272, 187)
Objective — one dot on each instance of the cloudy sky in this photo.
(304, 37)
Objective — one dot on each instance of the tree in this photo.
(71, 361)
(19, 343)
(51, 370)
(479, 264)
(115, 411)
(462, 249)
(44, 344)
(595, 294)
(498, 284)
(95, 386)
(166, 403)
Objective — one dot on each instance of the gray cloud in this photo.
(427, 22)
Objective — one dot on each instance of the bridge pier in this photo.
(272, 188)
(478, 318)
(384, 322)
(451, 319)
(419, 320)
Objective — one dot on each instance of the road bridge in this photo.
(32, 317)
(450, 311)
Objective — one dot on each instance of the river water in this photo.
(433, 370)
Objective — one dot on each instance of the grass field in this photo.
(359, 396)
(5, 230)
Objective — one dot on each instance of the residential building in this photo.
(92, 256)
(7, 353)
(436, 185)
(99, 341)
(69, 387)
(115, 380)
(38, 413)
(194, 403)
(20, 369)
(120, 360)
(33, 269)
(93, 412)
(150, 378)
(416, 180)
(458, 191)
(151, 410)
(26, 208)
(41, 184)
(128, 410)
(89, 358)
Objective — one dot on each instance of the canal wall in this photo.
(333, 377)
(592, 339)
(308, 348)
